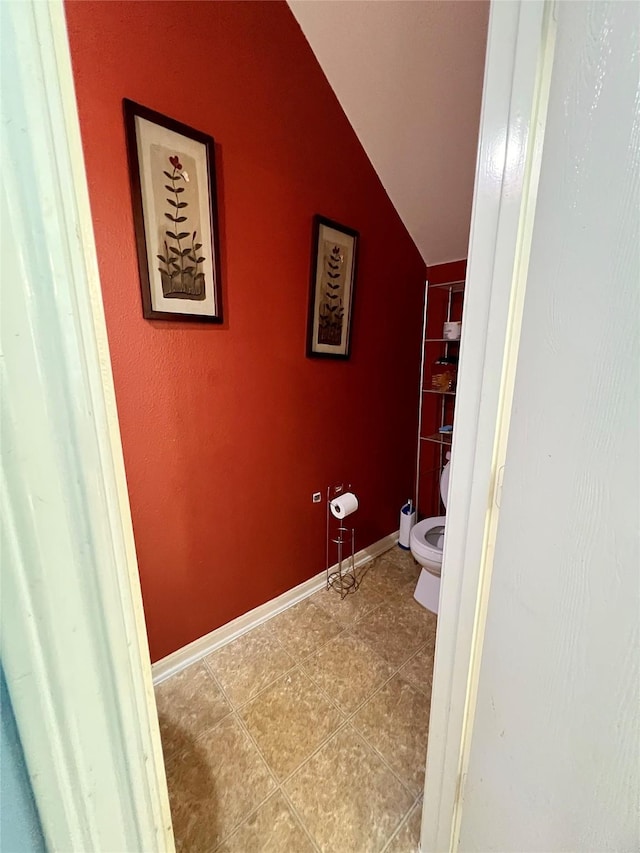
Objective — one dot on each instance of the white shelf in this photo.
(445, 438)
(453, 286)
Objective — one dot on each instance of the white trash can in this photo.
(407, 520)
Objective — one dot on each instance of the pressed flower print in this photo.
(178, 249)
(331, 316)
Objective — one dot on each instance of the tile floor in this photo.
(309, 733)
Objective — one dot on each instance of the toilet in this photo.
(426, 543)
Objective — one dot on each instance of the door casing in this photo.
(76, 631)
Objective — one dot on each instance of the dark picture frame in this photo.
(175, 213)
(334, 263)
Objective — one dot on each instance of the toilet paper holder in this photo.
(341, 576)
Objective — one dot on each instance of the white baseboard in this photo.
(203, 646)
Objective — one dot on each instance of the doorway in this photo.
(91, 644)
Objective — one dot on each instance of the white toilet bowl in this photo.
(426, 542)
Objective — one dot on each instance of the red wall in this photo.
(228, 430)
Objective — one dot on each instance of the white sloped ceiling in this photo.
(408, 74)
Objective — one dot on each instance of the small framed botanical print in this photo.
(333, 276)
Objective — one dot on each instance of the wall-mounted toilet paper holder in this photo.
(343, 577)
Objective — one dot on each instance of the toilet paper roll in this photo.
(344, 505)
(452, 331)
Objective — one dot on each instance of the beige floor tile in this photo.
(393, 574)
(395, 721)
(302, 629)
(348, 670)
(401, 570)
(408, 837)
(378, 576)
(395, 630)
(214, 783)
(349, 801)
(289, 720)
(405, 604)
(273, 828)
(248, 664)
(188, 703)
(352, 607)
(419, 670)
(220, 786)
(401, 558)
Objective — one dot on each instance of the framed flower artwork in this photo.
(173, 189)
(334, 257)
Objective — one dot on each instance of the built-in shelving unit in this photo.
(433, 347)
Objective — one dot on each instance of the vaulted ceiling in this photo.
(408, 74)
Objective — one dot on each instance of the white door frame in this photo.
(73, 639)
(520, 47)
(74, 645)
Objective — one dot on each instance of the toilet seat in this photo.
(427, 539)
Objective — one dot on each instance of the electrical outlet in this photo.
(316, 497)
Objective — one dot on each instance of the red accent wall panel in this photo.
(228, 430)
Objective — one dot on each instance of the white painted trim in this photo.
(512, 126)
(539, 56)
(74, 644)
(178, 660)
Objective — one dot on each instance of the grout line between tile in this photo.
(244, 820)
(298, 817)
(240, 722)
(201, 734)
(402, 823)
(356, 733)
(346, 720)
(347, 724)
(351, 622)
(297, 664)
(255, 695)
(315, 751)
(322, 743)
(343, 725)
(279, 785)
(349, 719)
(346, 714)
(247, 817)
(315, 651)
(409, 680)
(398, 667)
(321, 689)
(382, 759)
(299, 658)
(244, 728)
(247, 731)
